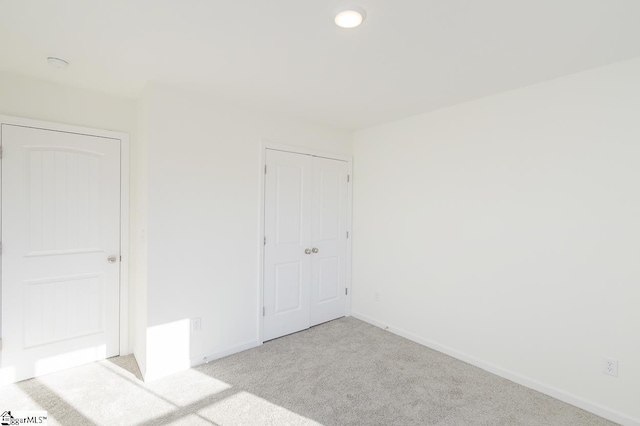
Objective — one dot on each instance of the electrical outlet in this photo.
(610, 366)
(196, 324)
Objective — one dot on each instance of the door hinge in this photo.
(0, 249)
(265, 169)
(347, 235)
(265, 240)
(348, 178)
(346, 291)
(264, 311)
(0, 152)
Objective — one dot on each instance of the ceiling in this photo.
(409, 56)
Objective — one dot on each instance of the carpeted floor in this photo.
(345, 372)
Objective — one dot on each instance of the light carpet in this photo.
(345, 372)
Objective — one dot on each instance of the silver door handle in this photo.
(307, 251)
(315, 250)
(112, 259)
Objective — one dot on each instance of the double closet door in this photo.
(305, 262)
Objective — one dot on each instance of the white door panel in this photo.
(60, 223)
(305, 209)
(287, 221)
(329, 236)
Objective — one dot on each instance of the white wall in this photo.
(138, 235)
(31, 98)
(506, 231)
(36, 99)
(203, 221)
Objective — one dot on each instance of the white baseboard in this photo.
(141, 361)
(562, 395)
(226, 352)
(198, 360)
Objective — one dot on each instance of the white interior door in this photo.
(329, 237)
(306, 242)
(60, 226)
(287, 265)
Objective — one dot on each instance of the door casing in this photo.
(264, 145)
(124, 206)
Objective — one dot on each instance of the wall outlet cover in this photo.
(196, 324)
(610, 366)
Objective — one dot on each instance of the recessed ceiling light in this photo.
(350, 16)
(57, 62)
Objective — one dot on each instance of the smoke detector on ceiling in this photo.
(57, 62)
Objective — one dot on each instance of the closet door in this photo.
(329, 238)
(287, 261)
(305, 257)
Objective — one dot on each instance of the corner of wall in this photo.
(138, 236)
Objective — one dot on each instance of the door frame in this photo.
(264, 146)
(123, 140)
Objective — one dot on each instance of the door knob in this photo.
(315, 250)
(112, 259)
(307, 251)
